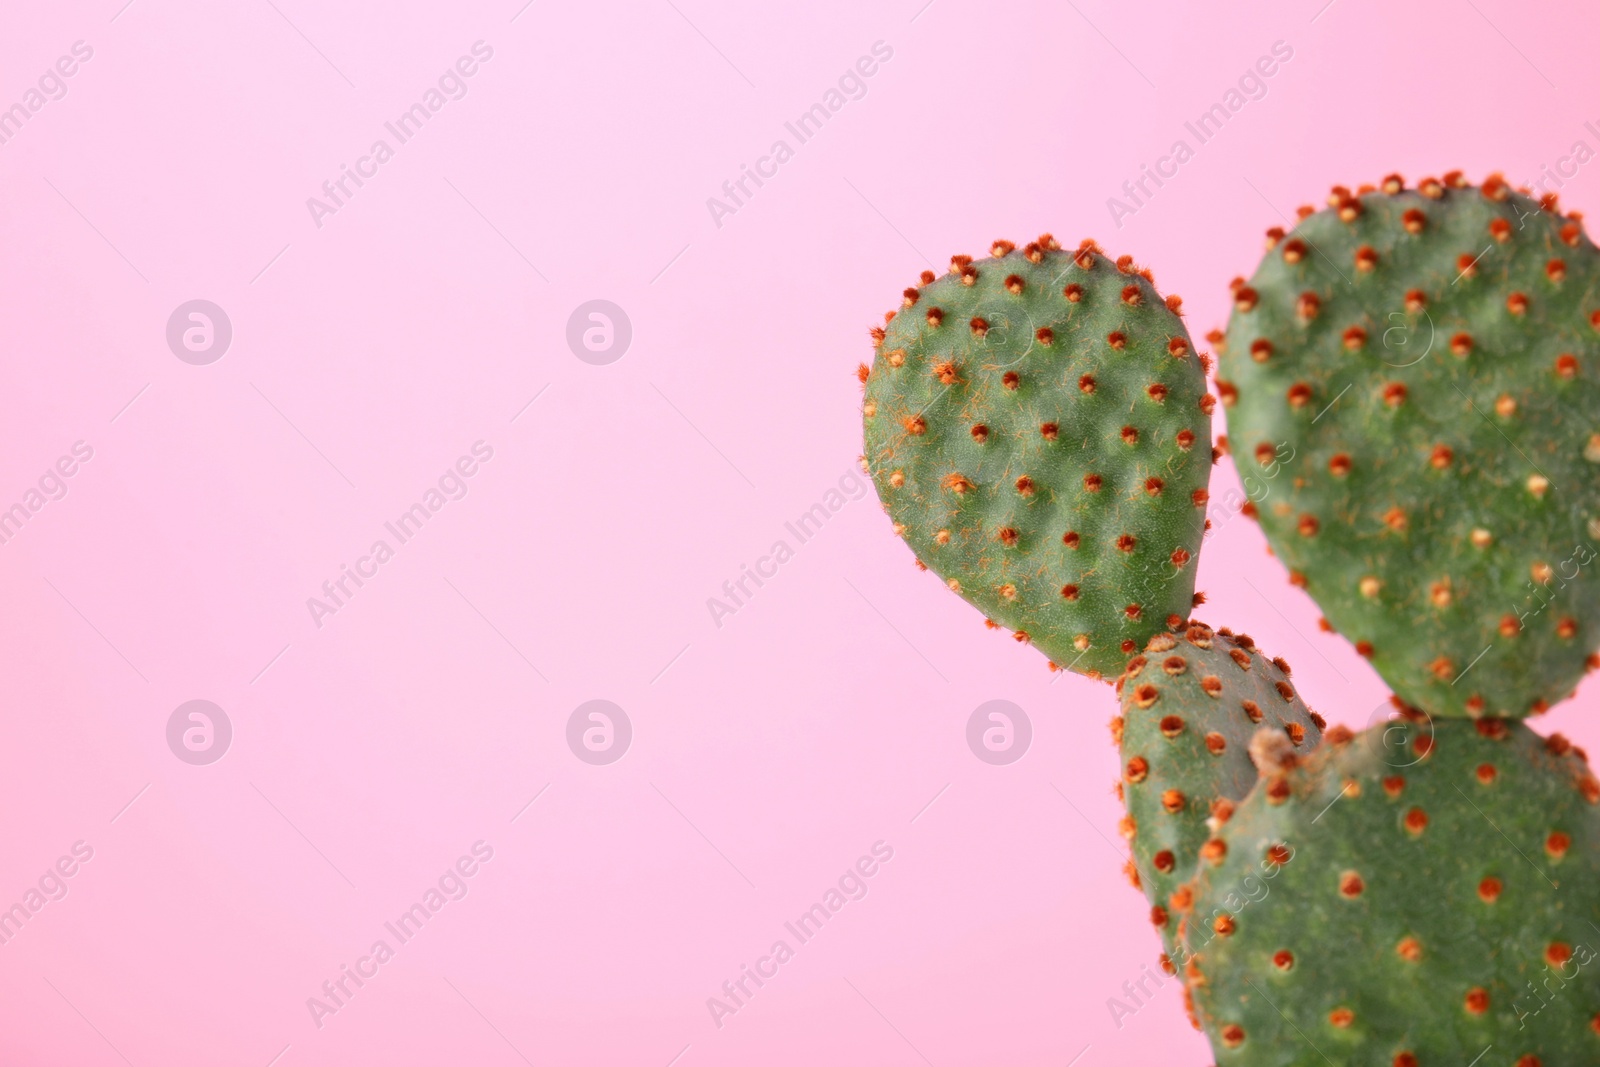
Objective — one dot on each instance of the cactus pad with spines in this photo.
(1190, 704)
(1429, 361)
(1038, 428)
(1413, 895)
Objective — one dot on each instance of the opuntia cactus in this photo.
(1190, 705)
(1416, 895)
(1426, 365)
(1038, 428)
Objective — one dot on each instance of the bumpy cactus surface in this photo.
(1190, 705)
(1417, 895)
(1038, 428)
(1430, 359)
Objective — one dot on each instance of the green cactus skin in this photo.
(1412, 895)
(1190, 705)
(1038, 428)
(1432, 357)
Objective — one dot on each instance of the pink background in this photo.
(368, 354)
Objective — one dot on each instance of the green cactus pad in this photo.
(1425, 365)
(1420, 894)
(1038, 428)
(1190, 705)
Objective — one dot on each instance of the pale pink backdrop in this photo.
(768, 753)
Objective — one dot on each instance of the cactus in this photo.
(1413, 895)
(1190, 705)
(1426, 365)
(1038, 428)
